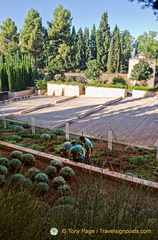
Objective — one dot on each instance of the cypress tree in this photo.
(87, 51)
(80, 56)
(103, 41)
(113, 64)
(93, 43)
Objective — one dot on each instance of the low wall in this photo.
(105, 92)
(29, 91)
(64, 90)
(141, 93)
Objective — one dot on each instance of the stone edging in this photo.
(46, 105)
(105, 173)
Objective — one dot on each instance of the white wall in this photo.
(105, 92)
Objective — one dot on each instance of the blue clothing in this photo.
(88, 144)
(77, 152)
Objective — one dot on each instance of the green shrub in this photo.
(96, 84)
(58, 181)
(57, 163)
(22, 145)
(65, 200)
(25, 125)
(67, 145)
(59, 131)
(52, 134)
(64, 190)
(23, 133)
(4, 161)
(15, 165)
(67, 173)
(137, 160)
(145, 153)
(32, 172)
(45, 136)
(3, 170)
(15, 138)
(41, 188)
(25, 183)
(17, 128)
(36, 147)
(50, 171)
(2, 180)
(130, 149)
(35, 135)
(16, 178)
(28, 159)
(41, 177)
(16, 154)
(63, 211)
(118, 80)
(140, 149)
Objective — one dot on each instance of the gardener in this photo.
(89, 148)
(76, 152)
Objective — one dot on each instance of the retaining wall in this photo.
(64, 90)
(105, 92)
(29, 91)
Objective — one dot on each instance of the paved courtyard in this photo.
(133, 121)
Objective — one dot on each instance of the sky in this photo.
(126, 15)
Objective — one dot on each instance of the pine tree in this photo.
(31, 35)
(59, 30)
(113, 64)
(9, 38)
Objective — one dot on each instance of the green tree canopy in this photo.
(59, 31)
(31, 34)
(147, 44)
(141, 71)
(93, 70)
(55, 66)
(9, 38)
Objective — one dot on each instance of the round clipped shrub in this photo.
(42, 177)
(15, 165)
(65, 200)
(3, 170)
(28, 159)
(67, 145)
(52, 134)
(32, 172)
(137, 160)
(15, 138)
(41, 188)
(2, 180)
(130, 149)
(118, 80)
(64, 190)
(50, 171)
(65, 210)
(45, 136)
(59, 131)
(25, 183)
(58, 181)
(16, 178)
(16, 154)
(67, 173)
(4, 161)
(57, 163)
(18, 128)
(23, 133)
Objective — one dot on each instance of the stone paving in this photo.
(133, 121)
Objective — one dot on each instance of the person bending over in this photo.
(76, 152)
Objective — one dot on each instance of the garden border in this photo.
(96, 170)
